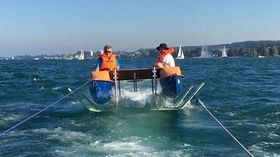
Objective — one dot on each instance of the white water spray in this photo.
(204, 52)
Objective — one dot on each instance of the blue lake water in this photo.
(243, 93)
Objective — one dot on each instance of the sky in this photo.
(29, 27)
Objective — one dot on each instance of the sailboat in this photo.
(81, 56)
(224, 52)
(180, 54)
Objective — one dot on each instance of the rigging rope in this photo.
(26, 119)
(226, 130)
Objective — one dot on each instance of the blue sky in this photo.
(65, 26)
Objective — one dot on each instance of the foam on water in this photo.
(261, 149)
(42, 88)
(122, 147)
(231, 114)
(85, 143)
(64, 136)
(84, 151)
(56, 88)
(9, 119)
(35, 79)
(274, 135)
(125, 146)
(139, 97)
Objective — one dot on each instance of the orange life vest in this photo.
(108, 62)
(164, 53)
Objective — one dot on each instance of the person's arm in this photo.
(118, 64)
(98, 63)
(158, 63)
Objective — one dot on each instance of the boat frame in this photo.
(172, 74)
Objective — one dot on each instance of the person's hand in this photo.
(159, 65)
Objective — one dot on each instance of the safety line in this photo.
(235, 139)
(26, 119)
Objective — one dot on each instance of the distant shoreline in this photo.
(238, 49)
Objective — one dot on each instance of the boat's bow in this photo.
(101, 86)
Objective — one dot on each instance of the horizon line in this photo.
(52, 53)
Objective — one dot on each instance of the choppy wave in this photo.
(261, 149)
(242, 92)
(7, 119)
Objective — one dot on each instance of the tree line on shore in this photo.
(238, 49)
(238, 52)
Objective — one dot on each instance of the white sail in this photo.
(224, 52)
(81, 56)
(180, 54)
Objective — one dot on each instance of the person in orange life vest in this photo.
(165, 58)
(107, 60)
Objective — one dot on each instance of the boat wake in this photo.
(128, 99)
(144, 99)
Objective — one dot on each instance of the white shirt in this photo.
(169, 60)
